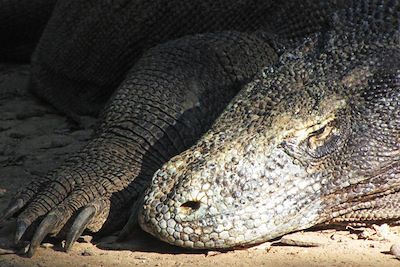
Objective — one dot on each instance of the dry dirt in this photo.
(34, 139)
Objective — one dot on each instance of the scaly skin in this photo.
(311, 139)
(314, 139)
(95, 188)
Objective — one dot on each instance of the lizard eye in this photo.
(323, 140)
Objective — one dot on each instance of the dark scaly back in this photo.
(88, 46)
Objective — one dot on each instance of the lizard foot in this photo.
(58, 217)
(73, 200)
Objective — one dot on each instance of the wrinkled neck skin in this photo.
(317, 131)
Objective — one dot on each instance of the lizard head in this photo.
(293, 147)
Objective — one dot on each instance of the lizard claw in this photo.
(79, 225)
(12, 208)
(20, 230)
(45, 227)
(66, 203)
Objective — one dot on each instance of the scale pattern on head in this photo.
(295, 147)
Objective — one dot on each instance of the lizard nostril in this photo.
(189, 207)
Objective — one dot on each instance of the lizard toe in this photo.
(13, 207)
(20, 230)
(45, 201)
(66, 219)
(79, 225)
(22, 198)
(46, 226)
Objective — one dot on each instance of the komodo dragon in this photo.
(309, 131)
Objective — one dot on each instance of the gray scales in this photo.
(226, 123)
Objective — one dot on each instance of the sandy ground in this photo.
(34, 139)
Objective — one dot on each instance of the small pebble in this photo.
(395, 250)
(141, 258)
(87, 252)
(212, 253)
(266, 246)
(336, 237)
(383, 231)
(302, 239)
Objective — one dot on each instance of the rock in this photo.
(395, 250)
(212, 253)
(87, 252)
(384, 232)
(304, 239)
(266, 246)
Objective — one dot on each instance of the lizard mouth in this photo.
(229, 210)
(195, 225)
